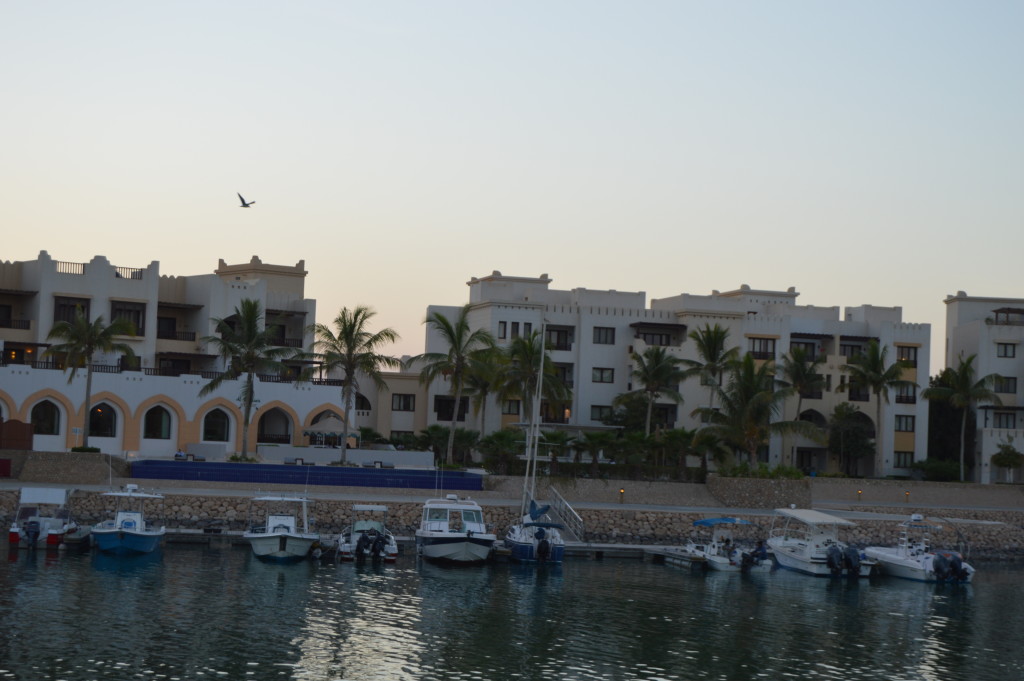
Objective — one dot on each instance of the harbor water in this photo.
(197, 612)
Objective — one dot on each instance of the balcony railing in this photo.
(274, 438)
(274, 378)
(328, 381)
(812, 395)
(906, 399)
(15, 324)
(128, 272)
(287, 342)
(177, 335)
(860, 396)
(70, 267)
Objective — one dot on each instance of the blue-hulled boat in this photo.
(128, 532)
(536, 538)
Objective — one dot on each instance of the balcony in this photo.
(21, 324)
(177, 335)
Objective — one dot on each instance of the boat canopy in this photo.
(44, 495)
(812, 517)
(710, 522)
(369, 507)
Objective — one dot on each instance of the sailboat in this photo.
(536, 538)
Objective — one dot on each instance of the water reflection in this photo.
(204, 612)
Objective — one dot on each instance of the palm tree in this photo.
(463, 344)
(711, 342)
(750, 405)
(962, 391)
(558, 443)
(594, 442)
(522, 374)
(801, 374)
(82, 339)
(247, 347)
(482, 379)
(351, 348)
(849, 435)
(500, 449)
(659, 374)
(868, 370)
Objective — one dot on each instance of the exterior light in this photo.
(859, 492)
(622, 493)
(906, 497)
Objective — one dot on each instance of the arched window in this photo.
(46, 418)
(157, 424)
(102, 421)
(362, 404)
(215, 426)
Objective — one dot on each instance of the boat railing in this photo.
(572, 521)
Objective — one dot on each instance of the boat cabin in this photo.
(453, 515)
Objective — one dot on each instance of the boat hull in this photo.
(282, 547)
(723, 564)
(533, 552)
(919, 568)
(792, 557)
(455, 549)
(125, 542)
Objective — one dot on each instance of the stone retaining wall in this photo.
(758, 493)
(1000, 537)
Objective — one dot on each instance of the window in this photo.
(564, 373)
(850, 349)
(362, 404)
(102, 421)
(510, 407)
(809, 348)
(64, 308)
(762, 348)
(904, 459)
(444, 405)
(515, 329)
(906, 394)
(527, 328)
(1006, 350)
(46, 418)
(157, 424)
(659, 339)
(215, 426)
(907, 354)
(400, 402)
(1004, 419)
(600, 412)
(502, 330)
(599, 375)
(604, 335)
(559, 339)
(1005, 384)
(133, 312)
(904, 423)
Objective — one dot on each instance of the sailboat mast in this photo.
(533, 434)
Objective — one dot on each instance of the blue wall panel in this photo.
(264, 473)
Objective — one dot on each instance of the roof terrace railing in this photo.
(70, 267)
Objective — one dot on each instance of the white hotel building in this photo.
(154, 408)
(993, 330)
(591, 335)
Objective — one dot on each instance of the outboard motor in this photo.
(377, 548)
(362, 546)
(32, 531)
(747, 561)
(941, 567)
(956, 567)
(852, 557)
(834, 559)
(543, 550)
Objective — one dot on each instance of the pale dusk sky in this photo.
(865, 153)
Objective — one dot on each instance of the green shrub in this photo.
(938, 471)
(85, 449)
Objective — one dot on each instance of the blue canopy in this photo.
(709, 522)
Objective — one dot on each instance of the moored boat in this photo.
(807, 541)
(284, 534)
(453, 530)
(914, 558)
(536, 538)
(128, 532)
(43, 519)
(722, 553)
(368, 536)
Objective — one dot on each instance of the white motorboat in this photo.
(453, 530)
(368, 536)
(284, 534)
(808, 541)
(913, 557)
(128, 532)
(536, 538)
(722, 552)
(43, 519)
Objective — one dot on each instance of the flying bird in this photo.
(244, 204)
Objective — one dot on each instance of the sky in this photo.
(863, 152)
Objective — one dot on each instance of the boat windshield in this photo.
(472, 516)
(437, 514)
